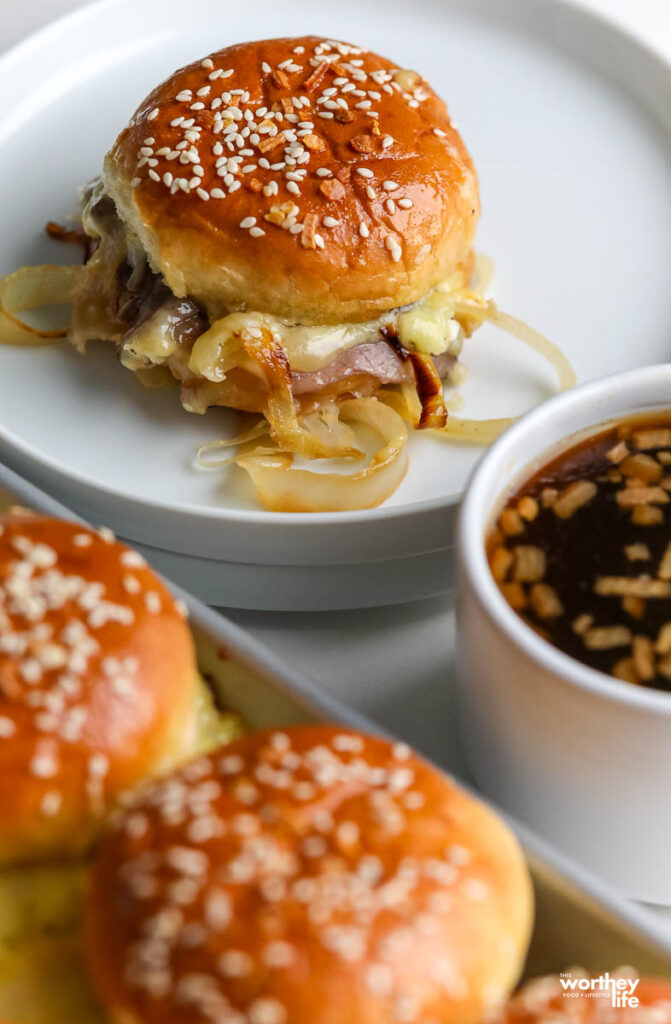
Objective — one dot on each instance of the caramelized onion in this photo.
(429, 388)
(284, 488)
(285, 427)
(28, 288)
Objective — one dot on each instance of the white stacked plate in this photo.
(568, 120)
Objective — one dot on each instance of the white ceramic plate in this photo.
(568, 120)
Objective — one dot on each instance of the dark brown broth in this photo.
(589, 546)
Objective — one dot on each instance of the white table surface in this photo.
(394, 664)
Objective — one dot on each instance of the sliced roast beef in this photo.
(377, 359)
(140, 297)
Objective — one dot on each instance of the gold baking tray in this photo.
(578, 920)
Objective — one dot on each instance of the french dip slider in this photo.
(98, 692)
(98, 683)
(286, 228)
(312, 875)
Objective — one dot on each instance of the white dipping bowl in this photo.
(584, 758)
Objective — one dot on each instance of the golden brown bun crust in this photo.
(97, 682)
(542, 1001)
(381, 253)
(313, 875)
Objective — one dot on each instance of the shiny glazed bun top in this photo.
(97, 682)
(307, 876)
(306, 178)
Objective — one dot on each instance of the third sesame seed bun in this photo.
(97, 683)
(544, 1001)
(313, 875)
(388, 167)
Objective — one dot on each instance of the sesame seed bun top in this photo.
(314, 875)
(306, 178)
(97, 682)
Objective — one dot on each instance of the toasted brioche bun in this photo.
(97, 682)
(314, 875)
(543, 1001)
(378, 155)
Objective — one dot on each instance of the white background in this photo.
(395, 664)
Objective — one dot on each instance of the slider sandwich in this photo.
(99, 692)
(286, 228)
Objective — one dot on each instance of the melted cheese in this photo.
(428, 326)
(152, 344)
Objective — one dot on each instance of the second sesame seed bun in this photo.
(313, 875)
(97, 683)
(388, 202)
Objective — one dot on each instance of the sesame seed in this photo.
(405, 204)
(82, 540)
(235, 963)
(248, 222)
(293, 187)
(131, 584)
(152, 114)
(132, 560)
(256, 232)
(43, 766)
(390, 186)
(279, 954)
(51, 803)
(98, 764)
(365, 172)
(136, 825)
(370, 191)
(7, 727)
(266, 1010)
(329, 222)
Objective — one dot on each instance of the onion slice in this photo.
(28, 288)
(258, 430)
(283, 488)
(487, 310)
(285, 428)
(429, 389)
(487, 430)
